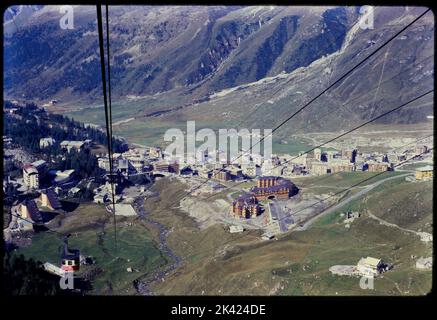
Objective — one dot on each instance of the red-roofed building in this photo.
(273, 187)
(246, 206)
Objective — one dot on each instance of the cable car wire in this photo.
(328, 88)
(357, 184)
(362, 181)
(343, 134)
(107, 107)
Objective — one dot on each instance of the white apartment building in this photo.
(30, 177)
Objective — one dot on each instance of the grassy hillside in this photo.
(92, 232)
(298, 263)
(217, 262)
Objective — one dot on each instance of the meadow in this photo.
(93, 234)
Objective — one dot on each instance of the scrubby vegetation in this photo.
(23, 276)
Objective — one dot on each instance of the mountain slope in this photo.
(229, 64)
(155, 49)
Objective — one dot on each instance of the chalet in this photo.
(236, 229)
(41, 166)
(267, 236)
(69, 145)
(62, 177)
(370, 267)
(424, 173)
(50, 199)
(29, 211)
(46, 142)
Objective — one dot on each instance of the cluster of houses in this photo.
(35, 171)
(28, 213)
(318, 162)
(39, 180)
(215, 165)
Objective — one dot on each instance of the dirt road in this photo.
(337, 206)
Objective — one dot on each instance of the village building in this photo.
(186, 170)
(62, 177)
(402, 157)
(330, 155)
(155, 153)
(174, 167)
(124, 167)
(29, 211)
(298, 170)
(30, 176)
(236, 229)
(235, 172)
(161, 167)
(251, 170)
(317, 154)
(370, 267)
(424, 173)
(137, 162)
(103, 163)
(301, 160)
(373, 166)
(165, 167)
(350, 155)
(69, 145)
(392, 157)
(419, 150)
(7, 141)
(267, 236)
(424, 263)
(351, 216)
(341, 166)
(49, 199)
(246, 206)
(318, 168)
(222, 175)
(334, 165)
(273, 187)
(204, 173)
(41, 166)
(46, 142)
